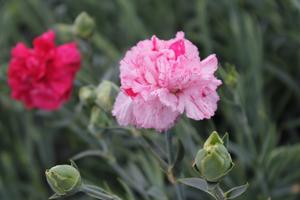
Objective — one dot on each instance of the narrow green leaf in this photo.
(55, 196)
(98, 193)
(148, 145)
(157, 193)
(197, 183)
(226, 139)
(88, 153)
(129, 192)
(179, 156)
(284, 77)
(236, 191)
(73, 164)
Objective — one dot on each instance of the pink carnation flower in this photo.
(162, 79)
(42, 77)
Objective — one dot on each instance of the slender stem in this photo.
(168, 138)
(130, 181)
(245, 122)
(178, 191)
(171, 176)
(218, 192)
(157, 156)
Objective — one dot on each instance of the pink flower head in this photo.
(162, 79)
(42, 77)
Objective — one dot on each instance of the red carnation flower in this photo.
(42, 77)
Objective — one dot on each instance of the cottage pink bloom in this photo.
(161, 80)
(42, 77)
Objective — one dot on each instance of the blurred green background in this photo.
(259, 106)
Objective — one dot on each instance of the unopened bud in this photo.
(231, 77)
(87, 94)
(98, 120)
(84, 25)
(213, 161)
(63, 179)
(105, 95)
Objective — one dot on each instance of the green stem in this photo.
(156, 155)
(168, 138)
(217, 191)
(129, 180)
(245, 123)
(171, 176)
(178, 191)
(103, 44)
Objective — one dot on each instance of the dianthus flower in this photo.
(161, 79)
(42, 76)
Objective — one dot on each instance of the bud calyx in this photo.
(63, 179)
(213, 161)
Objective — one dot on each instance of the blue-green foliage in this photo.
(258, 46)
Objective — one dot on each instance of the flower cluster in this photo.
(161, 79)
(42, 77)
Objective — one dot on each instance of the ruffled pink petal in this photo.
(45, 42)
(208, 66)
(123, 110)
(44, 97)
(166, 98)
(199, 104)
(187, 103)
(178, 47)
(68, 57)
(153, 114)
(62, 85)
(20, 51)
(164, 71)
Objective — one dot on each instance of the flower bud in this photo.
(63, 179)
(87, 94)
(105, 95)
(84, 25)
(231, 77)
(98, 119)
(213, 161)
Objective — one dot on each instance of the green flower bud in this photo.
(231, 77)
(98, 120)
(105, 95)
(87, 94)
(63, 179)
(84, 25)
(213, 161)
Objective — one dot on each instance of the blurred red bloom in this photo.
(42, 76)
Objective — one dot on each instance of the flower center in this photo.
(175, 91)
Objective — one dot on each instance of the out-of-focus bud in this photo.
(95, 115)
(84, 25)
(64, 179)
(106, 92)
(231, 78)
(87, 94)
(98, 120)
(213, 161)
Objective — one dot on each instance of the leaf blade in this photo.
(236, 191)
